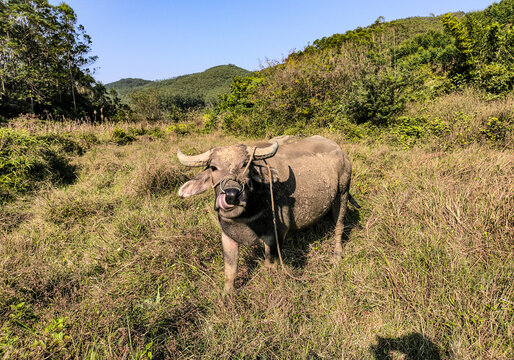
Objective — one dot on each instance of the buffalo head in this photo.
(230, 171)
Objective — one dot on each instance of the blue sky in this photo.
(158, 39)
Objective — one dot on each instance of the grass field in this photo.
(115, 265)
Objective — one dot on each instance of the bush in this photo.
(61, 143)
(120, 137)
(181, 129)
(346, 128)
(408, 130)
(496, 78)
(378, 98)
(497, 130)
(210, 122)
(27, 161)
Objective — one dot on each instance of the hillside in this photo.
(394, 31)
(207, 85)
(376, 75)
(127, 85)
(203, 87)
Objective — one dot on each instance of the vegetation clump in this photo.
(120, 137)
(28, 161)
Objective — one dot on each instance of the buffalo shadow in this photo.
(414, 346)
(296, 247)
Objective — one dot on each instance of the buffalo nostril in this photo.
(231, 196)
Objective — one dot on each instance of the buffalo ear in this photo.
(261, 174)
(196, 185)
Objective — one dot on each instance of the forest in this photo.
(101, 259)
(45, 64)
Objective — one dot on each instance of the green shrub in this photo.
(349, 130)
(378, 98)
(61, 143)
(409, 129)
(496, 78)
(156, 132)
(497, 130)
(120, 137)
(137, 131)
(210, 122)
(180, 129)
(89, 139)
(26, 161)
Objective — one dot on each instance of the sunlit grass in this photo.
(116, 265)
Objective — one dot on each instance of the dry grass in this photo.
(117, 266)
(460, 119)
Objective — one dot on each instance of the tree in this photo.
(44, 58)
(463, 67)
(483, 44)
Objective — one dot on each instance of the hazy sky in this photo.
(158, 39)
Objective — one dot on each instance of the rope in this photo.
(249, 161)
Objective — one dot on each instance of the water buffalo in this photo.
(311, 176)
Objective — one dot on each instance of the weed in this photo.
(120, 137)
(28, 161)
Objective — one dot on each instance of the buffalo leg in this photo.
(270, 250)
(267, 254)
(230, 257)
(338, 213)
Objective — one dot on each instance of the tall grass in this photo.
(115, 265)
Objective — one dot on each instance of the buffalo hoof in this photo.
(228, 299)
(228, 292)
(269, 264)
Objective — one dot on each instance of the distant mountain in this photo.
(127, 85)
(205, 86)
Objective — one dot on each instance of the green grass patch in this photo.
(28, 161)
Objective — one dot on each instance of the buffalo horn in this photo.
(194, 160)
(266, 152)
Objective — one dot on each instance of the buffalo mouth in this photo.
(229, 210)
